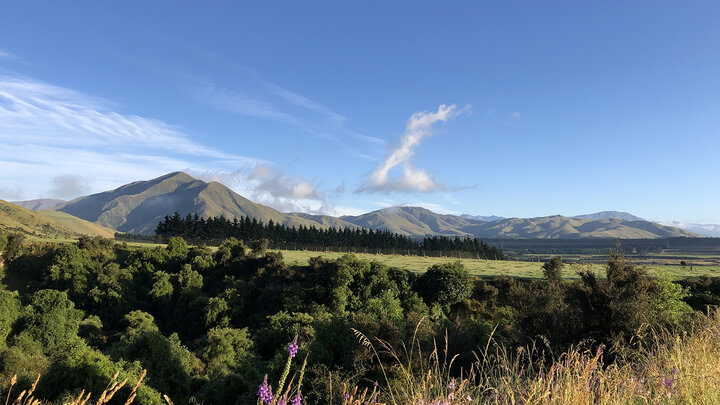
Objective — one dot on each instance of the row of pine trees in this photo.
(214, 230)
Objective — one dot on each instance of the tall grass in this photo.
(677, 368)
(26, 397)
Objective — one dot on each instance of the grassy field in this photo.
(530, 268)
(488, 268)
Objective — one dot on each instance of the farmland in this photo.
(530, 267)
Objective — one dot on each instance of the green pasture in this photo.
(489, 268)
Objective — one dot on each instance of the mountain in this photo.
(138, 207)
(558, 226)
(481, 217)
(14, 218)
(40, 204)
(415, 221)
(78, 225)
(702, 229)
(420, 222)
(609, 215)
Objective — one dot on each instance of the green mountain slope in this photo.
(14, 218)
(558, 226)
(138, 207)
(78, 225)
(412, 221)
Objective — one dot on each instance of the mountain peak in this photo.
(180, 176)
(610, 215)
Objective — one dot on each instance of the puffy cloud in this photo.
(69, 186)
(419, 126)
(269, 185)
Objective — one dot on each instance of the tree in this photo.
(189, 280)
(552, 269)
(445, 284)
(71, 270)
(227, 350)
(162, 289)
(138, 323)
(177, 248)
(52, 319)
(216, 312)
(9, 313)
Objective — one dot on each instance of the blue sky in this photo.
(510, 108)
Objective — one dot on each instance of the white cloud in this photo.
(68, 186)
(515, 116)
(266, 100)
(36, 112)
(50, 132)
(8, 55)
(269, 185)
(419, 126)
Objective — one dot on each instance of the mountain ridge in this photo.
(137, 207)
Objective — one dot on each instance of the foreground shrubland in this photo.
(208, 326)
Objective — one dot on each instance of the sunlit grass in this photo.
(489, 268)
(676, 369)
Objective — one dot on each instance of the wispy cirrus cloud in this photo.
(418, 127)
(8, 55)
(58, 142)
(37, 112)
(262, 99)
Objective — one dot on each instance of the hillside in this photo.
(610, 215)
(40, 204)
(78, 225)
(14, 218)
(420, 221)
(412, 221)
(138, 207)
(558, 227)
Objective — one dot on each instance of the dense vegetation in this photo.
(208, 325)
(214, 230)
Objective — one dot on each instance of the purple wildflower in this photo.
(283, 400)
(376, 384)
(293, 347)
(674, 371)
(347, 396)
(297, 400)
(668, 382)
(265, 391)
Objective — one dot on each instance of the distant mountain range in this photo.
(138, 207)
(481, 217)
(40, 204)
(610, 215)
(702, 229)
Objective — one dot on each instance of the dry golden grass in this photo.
(26, 397)
(679, 369)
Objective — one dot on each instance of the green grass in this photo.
(489, 268)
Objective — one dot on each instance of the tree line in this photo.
(213, 230)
